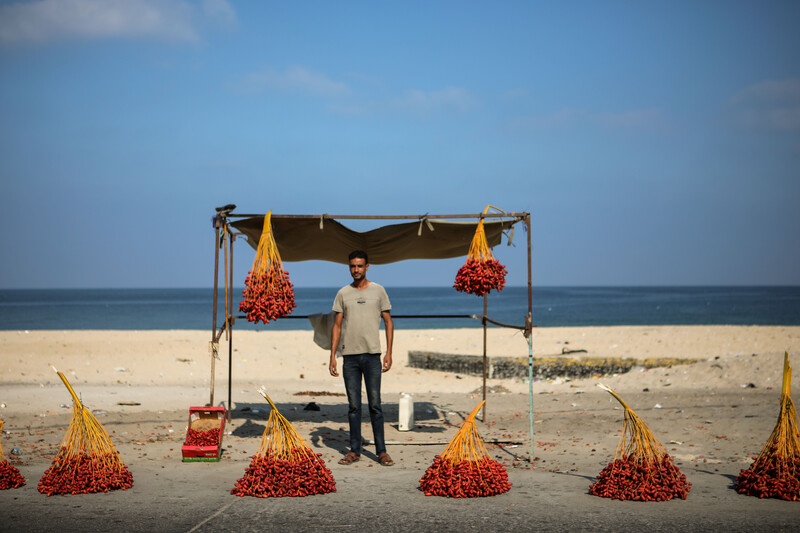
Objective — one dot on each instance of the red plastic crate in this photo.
(204, 453)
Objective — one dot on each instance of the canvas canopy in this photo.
(325, 239)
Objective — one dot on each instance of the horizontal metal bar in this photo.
(437, 316)
(393, 316)
(387, 217)
(496, 323)
(475, 317)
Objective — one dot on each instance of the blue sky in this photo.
(654, 143)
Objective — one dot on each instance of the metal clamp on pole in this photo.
(218, 220)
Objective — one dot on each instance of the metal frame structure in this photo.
(224, 239)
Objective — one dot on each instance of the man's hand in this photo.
(388, 325)
(336, 335)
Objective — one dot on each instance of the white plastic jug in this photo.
(406, 421)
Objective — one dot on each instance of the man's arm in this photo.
(336, 335)
(389, 327)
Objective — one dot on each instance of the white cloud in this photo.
(770, 91)
(425, 102)
(560, 118)
(772, 105)
(293, 79)
(298, 79)
(46, 21)
(634, 119)
(220, 11)
(414, 102)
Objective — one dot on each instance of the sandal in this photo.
(350, 458)
(385, 460)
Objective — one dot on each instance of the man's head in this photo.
(355, 254)
(359, 264)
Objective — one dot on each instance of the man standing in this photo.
(359, 308)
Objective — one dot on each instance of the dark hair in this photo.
(358, 254)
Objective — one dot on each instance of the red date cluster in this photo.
(268, 295)
(775, 477)
(479, 277)
(82, 474)
(209, 437)
(10, 478)
(465, 479)
(656, 481)
(268, 477)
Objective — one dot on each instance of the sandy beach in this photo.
(289, 361)
(712, 416)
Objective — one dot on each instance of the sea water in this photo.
(165, 309)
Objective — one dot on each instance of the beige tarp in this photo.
(304, 239)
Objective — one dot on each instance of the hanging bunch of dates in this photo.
(481, 273)
(268, 293)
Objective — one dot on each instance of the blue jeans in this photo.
(369, 366)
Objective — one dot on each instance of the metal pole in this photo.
(483, 410)
(217, 225)
(529, 335)
(230, 327)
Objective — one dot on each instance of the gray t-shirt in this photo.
(361, 322)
